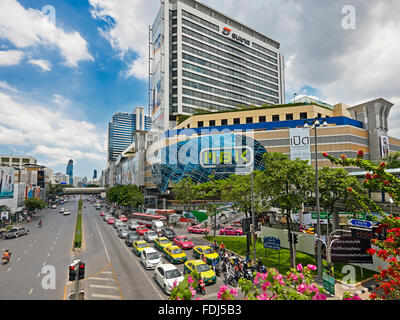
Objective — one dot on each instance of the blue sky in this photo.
(60, 84)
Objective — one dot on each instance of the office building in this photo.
(70, 171)
(204, 60)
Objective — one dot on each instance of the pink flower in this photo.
(299, 267)
(190, 279)
(319, 296)
(192, 291)
(311, 267)
(265, 285)
(175, 283)
(263, 296)
(234, 292)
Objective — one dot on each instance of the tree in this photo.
(32, 204)
(392, 160)
(53, 190)
(127, 196)
(185, 192)
(285, 184)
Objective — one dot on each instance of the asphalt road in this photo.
(38, 266)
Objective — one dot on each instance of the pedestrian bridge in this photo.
(84, 190)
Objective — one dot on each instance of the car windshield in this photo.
(185, 240)
(132, 236)
(151, 233)
(208, 251)
(176, 251)
(171, 274)
(202, 268)
(123, 227)
(142, 245)
(153, 255)
(164, 241)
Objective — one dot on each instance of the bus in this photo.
(147, 219)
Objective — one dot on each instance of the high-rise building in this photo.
(121, 128)
(95, 174)
(202, 59)
(70, 171)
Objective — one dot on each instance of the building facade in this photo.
(70, 171)
(204, 60)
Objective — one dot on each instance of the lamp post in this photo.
(314, 126)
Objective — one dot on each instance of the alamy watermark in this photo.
(49, 279)
(50, 13)
(349, 19)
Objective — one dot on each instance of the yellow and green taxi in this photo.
(202, 268)
(175, 254)
(208, 253)
(139, 246)
(161, 242)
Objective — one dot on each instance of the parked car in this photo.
(141, 230)
(15, 232)
(123, 218)
(150, 258)
(231, 231)
(209, 254)
(175, 254)
(118, 225)
(168, 233)
(183, 242)
(150, 236)
(130, 238)
(161, 242)
(107, 216)
(133, 225)
(102, 213)
(166, 275)
(123, 232)
(139, 246)
(198, 229)
(117, 222)
(203, 269)
(111, 220)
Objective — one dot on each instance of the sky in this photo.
(66, 66)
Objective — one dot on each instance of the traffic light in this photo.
(81, 271)
(72, 273)
(290, 237)
(294, 238)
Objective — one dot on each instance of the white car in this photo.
(150, 236)
(166, 275)
(54, 206)
(117, 222)
(133, 225)
(62, 210)
(119, 225)
(150, 258)
(67, 213)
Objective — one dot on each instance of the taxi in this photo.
(208, 253)
(139, 246)
(175, 254)
(203, 269)
(161, 242)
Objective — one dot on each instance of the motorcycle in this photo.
(232, 280)
(202, 287)
(6, 260)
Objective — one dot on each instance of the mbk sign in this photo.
(226, 32)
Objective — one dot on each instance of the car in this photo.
(198, 229)
(150, 258)
(209, 254)
(123, 218)
(118, 225)
(102, 213)
(117, 222)
(54, 206)
(138, 246)
(168, 233)
(15, 232)
(183, 242)
(111, 220)
(107, 216)
(161, 243)
(141, 230)
(130, 238)
(133, 225)
(231, 231)
(150, 236)
(62, 210)
(67, 212)
(167, 275)
(123, 232)
(175, 254)
(203, 269)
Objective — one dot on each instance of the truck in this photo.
(157, 225)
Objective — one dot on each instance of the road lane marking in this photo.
(51, 248)
(18, 258)
(30, 291)
(48, 254)
(38, 275)
(105, 296)
(107, 272)
(25, 251)
(107, 279)
(102, 286)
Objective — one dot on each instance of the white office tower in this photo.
(201, 59)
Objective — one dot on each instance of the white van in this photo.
(157, 225)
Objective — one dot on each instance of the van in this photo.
(157, 225)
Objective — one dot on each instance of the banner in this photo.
(384, 141)
(7, 182)
(350, 250)
(300, 144)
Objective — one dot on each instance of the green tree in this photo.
(392, 160)
(285, 184)
(53, 190)
(185, 192)
(32, 204)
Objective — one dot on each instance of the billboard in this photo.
(384, 142)
(7, 182)
(300, 144)
(128, 174)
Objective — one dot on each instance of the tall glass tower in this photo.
(70, 171)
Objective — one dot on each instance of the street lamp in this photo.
(314, 126)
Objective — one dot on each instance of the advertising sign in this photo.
(6, 182)
(272, 243)
(350, 250)
(300, 144)
(384, 142)
(361, 223)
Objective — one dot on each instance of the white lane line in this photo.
(102, 287)
(107, 272)
(25, 251)
(48, 254)
(18, 258)
(30, 291)
(10, 268)
(102, 240)
(102, 279)
(51, 248)
(38, 275)
(105, 296)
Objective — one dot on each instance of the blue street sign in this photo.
(361, 223)
(272, 243)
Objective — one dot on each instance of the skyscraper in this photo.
(70, 171)
(203, 59)
(95, 174)
(121, 128)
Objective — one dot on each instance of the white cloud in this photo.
(60, 100)
(30, 27)
(10, 57)
(6, 86)
(45, 65)
(49, 133)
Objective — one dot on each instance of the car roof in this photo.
(168, 266)
(162, 238)
(196, 262)
(149, 250)
(203, 247)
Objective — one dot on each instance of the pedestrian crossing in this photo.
(103, 286)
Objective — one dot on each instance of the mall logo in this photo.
(226, 32)
(236, 156)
